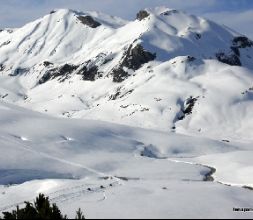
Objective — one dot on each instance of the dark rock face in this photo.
(188, 107)
(190, 59)
(89, 21)
(119, 75)
(136, 57)
(120, 93)
(45, 78)
(133, 59)
(62, 72)
(89, 73)
(230, 59)
(236, 51)
(171, 12)
(1, 67)
(208, 177)
(142, 15)
(46, 63)
(233, 57)
(66, 69)
(242, 42)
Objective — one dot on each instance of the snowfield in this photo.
(150, 118)
(115, 171)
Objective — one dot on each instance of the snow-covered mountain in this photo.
(166, 70)
(175, 92)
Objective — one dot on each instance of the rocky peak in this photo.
(142, 15)
(231, 59)
(134, 57)
(242, 42)
(89, 21)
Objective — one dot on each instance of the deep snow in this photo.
(165, 125)
(137, 168)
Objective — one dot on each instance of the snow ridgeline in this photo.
(166, 70)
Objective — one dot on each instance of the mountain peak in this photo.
(160, 10)
(68, 36)
(100, 61)
(157, 11)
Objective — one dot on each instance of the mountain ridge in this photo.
(159, 71)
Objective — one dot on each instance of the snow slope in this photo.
(62, 66)
(97, 166)
(175, 94)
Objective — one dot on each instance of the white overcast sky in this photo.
(237, 14)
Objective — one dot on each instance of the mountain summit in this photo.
(165, 70)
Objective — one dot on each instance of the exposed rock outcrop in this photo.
(119, 74)
(2, 67)
(190, 59)
(171, 12)
(89, 21)
(208, 177)
(230, 59)
(233, 57)
(62, 72)
(189, 104)
(242, 42)
(188, 107)
(133, 59)
(89, 73)
(142, 15)
(137, 56)
(47, 63)
(120, 93)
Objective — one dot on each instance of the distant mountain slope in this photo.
(166, 70)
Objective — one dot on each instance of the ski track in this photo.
(82, 190)
(45, 155)
(68, 193)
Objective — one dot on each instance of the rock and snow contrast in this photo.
(150, 118)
